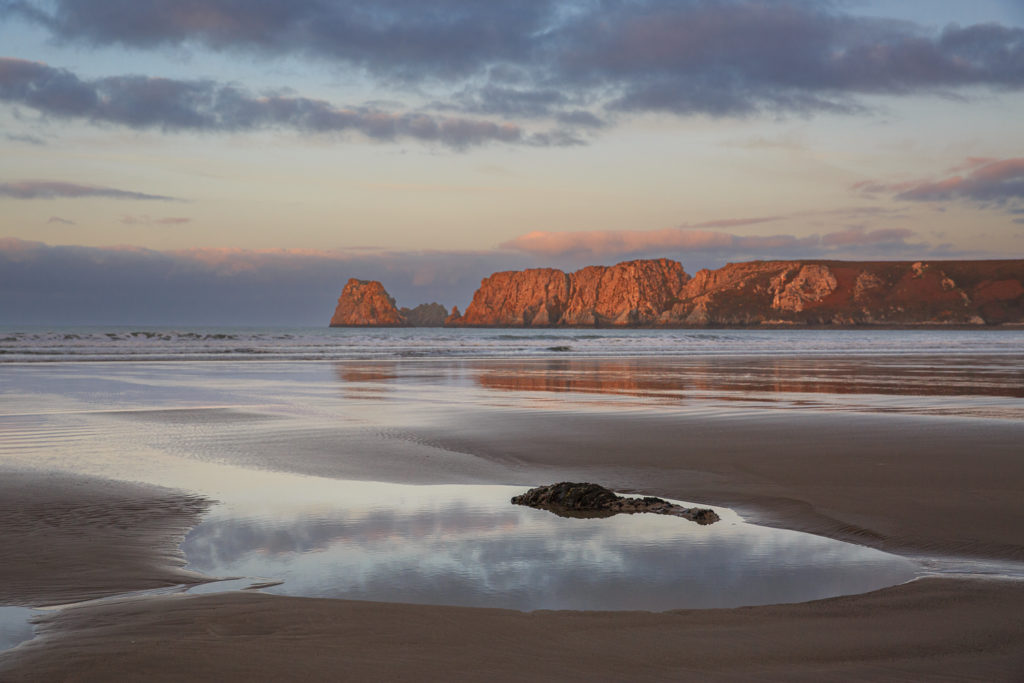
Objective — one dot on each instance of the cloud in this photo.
(627, 243)
(26, 139)
(597, 57)
(147, 220)
(734, 222)
(53, 189)
(738, 58)
(62, 221)
(410, 37)
(987, 181)
(859, 236)
(176, 105)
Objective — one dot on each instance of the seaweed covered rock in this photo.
(574, 499)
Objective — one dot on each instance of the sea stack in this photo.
(365, 303)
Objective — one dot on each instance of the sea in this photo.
(111, 344)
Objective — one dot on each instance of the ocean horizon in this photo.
(28, 344)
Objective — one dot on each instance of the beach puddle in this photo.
(16, 626)
(469, 546)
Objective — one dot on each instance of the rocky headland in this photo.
(659, 293)
(573, 499)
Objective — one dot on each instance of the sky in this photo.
(237, 161)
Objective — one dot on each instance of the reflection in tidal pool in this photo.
(467, 545)
(15, 625)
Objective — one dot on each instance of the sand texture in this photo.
(65, 538)
(935, 629)
(912, 484)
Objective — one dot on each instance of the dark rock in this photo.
(424, 315)
(572, 499)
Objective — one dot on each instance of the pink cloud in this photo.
(614, 242)
(986, 181)
(617, 241)
(970, 163)
(611, 243)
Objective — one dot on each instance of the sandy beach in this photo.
(915, 484)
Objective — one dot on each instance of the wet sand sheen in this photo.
(901, 482)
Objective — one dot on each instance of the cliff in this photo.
(365, 303)
(630, 293)
(653, 293)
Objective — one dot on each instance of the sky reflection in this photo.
(467, 545)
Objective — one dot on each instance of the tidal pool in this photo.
(15, 625)
(469, 546)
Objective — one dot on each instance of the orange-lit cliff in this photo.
(659, 293)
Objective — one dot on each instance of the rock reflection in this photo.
(367, 372)
(979, 376)
(477, 550)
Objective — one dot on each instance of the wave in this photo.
(211, 344)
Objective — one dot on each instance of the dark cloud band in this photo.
(200, 105)
(567, 58)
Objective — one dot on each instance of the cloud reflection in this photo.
(478, 550)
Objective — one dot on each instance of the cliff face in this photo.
(660, 293)
(630, 293)
(534, 297)
(854, 293)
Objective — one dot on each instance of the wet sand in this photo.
(66, 538)
(907, 483)
(935, 629)
(904, 483)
